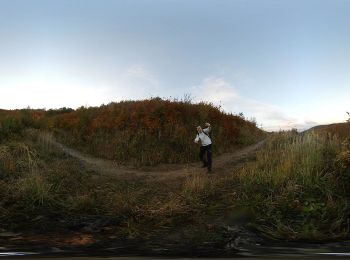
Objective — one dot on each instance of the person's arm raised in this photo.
(208, 128)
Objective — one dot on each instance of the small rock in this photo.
(56, 250)
(107, 228)
(16, 238)
(38, 218)
(239, 237)
(9, 234)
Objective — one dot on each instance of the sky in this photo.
(284, 63)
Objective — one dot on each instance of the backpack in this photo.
(207, 134)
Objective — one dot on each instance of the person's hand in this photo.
(207, 124)
(196, 141)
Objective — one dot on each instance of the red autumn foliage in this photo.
(151, 131)
(144, 132)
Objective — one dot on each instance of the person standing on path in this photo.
(204, 138)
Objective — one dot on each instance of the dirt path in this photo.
(223, 162)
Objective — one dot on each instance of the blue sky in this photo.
(286, 63)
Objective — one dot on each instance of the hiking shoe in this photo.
(204, 166)
(209, 171)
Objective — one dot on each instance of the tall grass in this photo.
(294, 189)
(290, 156)
(16, 158)
(35, 188)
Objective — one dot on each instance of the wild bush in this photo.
(150, 132)
(17, 158)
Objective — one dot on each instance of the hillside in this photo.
(55, 194)
(342, 130)
(146, 132)
(56, 187)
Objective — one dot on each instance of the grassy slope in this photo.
(44, 191)
(38, 182)
(296, 188)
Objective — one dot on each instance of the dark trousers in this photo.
(206, 150)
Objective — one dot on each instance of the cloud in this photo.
(140, 72)
(221, 92)
(216, 90)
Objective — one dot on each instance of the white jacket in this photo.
(203, 137)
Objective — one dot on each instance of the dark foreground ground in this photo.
(143, 258)
(243, 245)
(276, 252)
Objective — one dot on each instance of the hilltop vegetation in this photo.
(146, 132)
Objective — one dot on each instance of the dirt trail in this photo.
(223, 162)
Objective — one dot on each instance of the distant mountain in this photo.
(342, 130)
